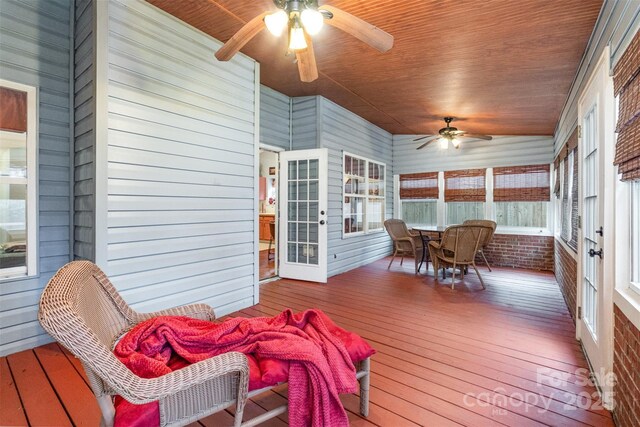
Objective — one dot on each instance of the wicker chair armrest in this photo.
(435, 243)
(197, 311)
(206, 375)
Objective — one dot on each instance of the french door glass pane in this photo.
(302, 227)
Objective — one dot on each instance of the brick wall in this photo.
(519, 251)
(626, 367)
(566, 270)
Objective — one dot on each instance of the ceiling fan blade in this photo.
(423, 137)
(370, 34)
(429, 141)
(242, 37)
(307, 62)
(472, 135)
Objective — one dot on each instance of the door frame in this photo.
(277, 150)
(290, 270)
(600, 81)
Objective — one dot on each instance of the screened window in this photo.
(521, 195)
(464, 195)
(364, 195)
(17, 180)
(419, 194)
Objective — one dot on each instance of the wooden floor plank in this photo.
(77, 398)
(12, 412)
(41, 405)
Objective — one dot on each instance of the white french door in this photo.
(303, 215)
(595, 320)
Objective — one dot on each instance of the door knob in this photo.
(593, 253)
(322, 222)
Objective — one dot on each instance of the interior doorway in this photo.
(268, 213)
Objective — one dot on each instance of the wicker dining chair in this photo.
(404, 242)
(82, 310)
(458, 249)
(487, 237)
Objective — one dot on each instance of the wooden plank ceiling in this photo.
(503, 67)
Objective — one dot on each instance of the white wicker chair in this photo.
(82, 310)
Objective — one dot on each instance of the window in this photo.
(364, 195)
(419, 194)
(567, 197)
(464, 195)
(17, 180)
(635, 235)
(521, 195)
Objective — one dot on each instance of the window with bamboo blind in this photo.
(521, 195)
(626, 85)
(566, 189)
(419, 193)
(464, 194)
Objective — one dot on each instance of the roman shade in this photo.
(13, 110)
(626, 83)
(465, 185)
(521, 183)
(422, 185)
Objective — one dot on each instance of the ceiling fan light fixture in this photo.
(297, 39)
(455, 142)
(276, 22)
(312, 20)
(444, 143)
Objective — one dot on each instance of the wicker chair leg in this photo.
(479, 276)
(485, 260)
(395, 251)
(108, 410)
(364, 387)
(453, 276)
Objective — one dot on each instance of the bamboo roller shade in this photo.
(521, 183)
(465, 185)
(13, 110)
(626, 83)
(419, 185)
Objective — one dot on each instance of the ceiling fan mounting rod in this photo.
(296, 5)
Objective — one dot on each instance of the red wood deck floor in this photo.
(501, 356)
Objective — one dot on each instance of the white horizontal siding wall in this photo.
(34, 50)
(341, 130)
(617, 24)
(275, 120)
(181, 164)
(84, 144)
(501, 151)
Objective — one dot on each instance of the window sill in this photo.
(16, 273)
(524, 231)
(362, 233)
(628, 301)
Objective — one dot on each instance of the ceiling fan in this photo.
(450, 134)
(303, 19)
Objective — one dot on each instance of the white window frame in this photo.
(634, 236)
(366, 196)
(32, 181)
(489, 207)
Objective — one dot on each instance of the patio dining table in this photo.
(423, 230)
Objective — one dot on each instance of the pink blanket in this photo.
(319, 355)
